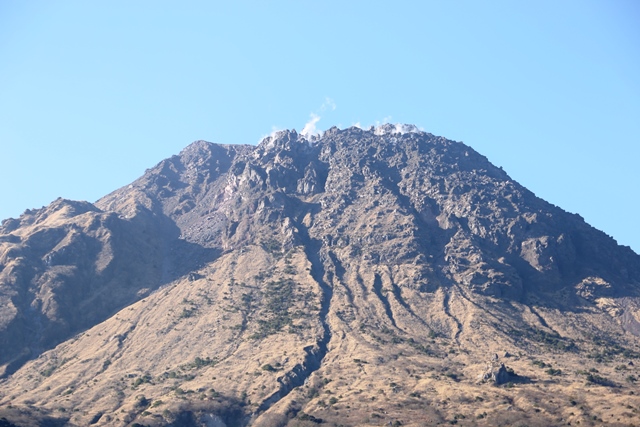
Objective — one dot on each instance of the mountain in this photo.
(361, 277)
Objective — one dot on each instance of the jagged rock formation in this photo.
(356, 278)
(498, 373)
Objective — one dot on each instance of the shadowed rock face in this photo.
(69, 266)
(296, 261)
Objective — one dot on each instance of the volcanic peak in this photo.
(308, 280)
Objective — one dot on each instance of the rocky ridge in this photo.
(355, 278)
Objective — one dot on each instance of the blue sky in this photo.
(94, 92)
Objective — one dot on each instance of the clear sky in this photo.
(94, 92)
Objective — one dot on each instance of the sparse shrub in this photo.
(48, 371)
(200, 362)
(452, 376)
(141, 402)
(279, 297)
(421, 348)
(188, 312)
(306, 417)
(313, 392)
(608, 349)
(550, 340)
(599, 380)
(272, 246)
(141, 380)
(167, 415)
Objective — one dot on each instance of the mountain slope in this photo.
(362, 277)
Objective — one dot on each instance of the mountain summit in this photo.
(360, 277)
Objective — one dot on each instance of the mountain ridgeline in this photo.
(361, 277)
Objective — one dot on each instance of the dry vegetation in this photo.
(219, 341)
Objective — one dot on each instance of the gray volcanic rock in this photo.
(346, 278)
(471, 224)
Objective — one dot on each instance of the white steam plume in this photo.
(274, 132)
(310, 127)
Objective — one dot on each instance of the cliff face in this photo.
(314, 279)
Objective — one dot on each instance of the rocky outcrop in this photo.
(498, 373)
